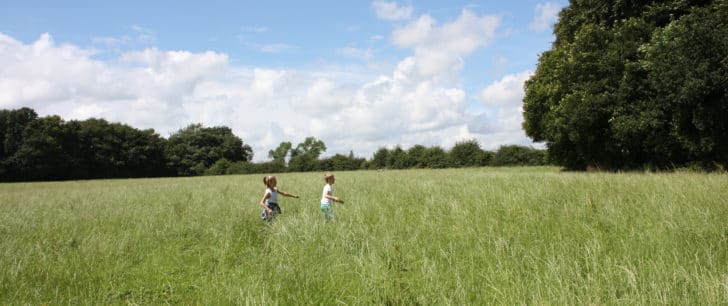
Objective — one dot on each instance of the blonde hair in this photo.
(266, 180)
(328, 176)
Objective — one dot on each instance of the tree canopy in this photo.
(49, 148)
(305, 155)
(632, 84)
(195, 148)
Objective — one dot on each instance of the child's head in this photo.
(329, 178)
(269, 181)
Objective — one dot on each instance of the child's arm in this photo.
(334, 198)
(262, 201)
(290, 195)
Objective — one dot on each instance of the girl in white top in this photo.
(327, 196)
(269, 202)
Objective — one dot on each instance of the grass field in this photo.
(457, 236)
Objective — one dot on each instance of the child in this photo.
(269, 202)
(328, 196)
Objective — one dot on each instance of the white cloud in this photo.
(441, 49)
(392, 10)
(347, 108)
(546, 14)
(414, 34)
(501, 122)
(507, 91)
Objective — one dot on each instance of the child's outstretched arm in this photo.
(290, 195)
(334, 198)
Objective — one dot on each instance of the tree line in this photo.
(305, 157)
(36, 148)
(634, 85)
(49, 148)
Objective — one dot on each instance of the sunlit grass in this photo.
(459, 236)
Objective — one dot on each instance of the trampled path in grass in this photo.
(530, 235)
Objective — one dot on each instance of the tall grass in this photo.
(466, 236)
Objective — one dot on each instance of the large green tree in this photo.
(468, 154)
(104, 150)
(281, 152)
(515, 155)
(192, 150)
(41, 154)
(435, 157)
(416, 156)
(49, 148)
(631, 84)
(13, 124)
(380, 158)
(687, 64)
(304, 157)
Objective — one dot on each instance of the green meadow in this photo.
(531, 235)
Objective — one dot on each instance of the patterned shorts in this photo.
(276, 210)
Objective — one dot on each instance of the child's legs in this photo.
(328, 212)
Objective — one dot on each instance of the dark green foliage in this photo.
(468, 154)
(107, 150)
(687, 65)
(41, 149)
(252, 168)
(397, 158)
(514, 155)
(435, 157)
(416, 156)
(629, 84)
(49, 148)
(12, 125)
(280, 153)
(341, 162)
(220, 167)
(465, 153)
(305, 156)
(380, 158)
(192, 150)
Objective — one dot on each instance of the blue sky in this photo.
(357, 74)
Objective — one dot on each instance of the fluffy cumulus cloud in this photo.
(167, 90)
(502, 119)
(143, 88)
(508, 91)
(440, 49)
(392, 10)
(546, 14)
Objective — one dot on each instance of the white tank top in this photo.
(327, 190)
(273, 195)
